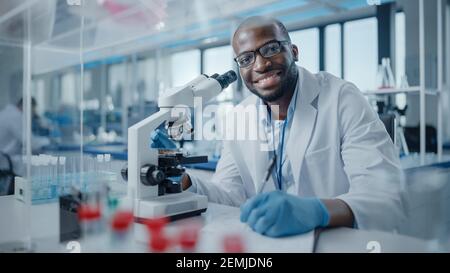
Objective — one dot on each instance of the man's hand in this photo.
(278, 214)
(185, 182)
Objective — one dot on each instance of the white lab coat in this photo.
(11, 132)
(338, 148)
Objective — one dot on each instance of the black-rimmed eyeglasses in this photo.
(268, 50)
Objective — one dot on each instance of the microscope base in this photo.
(174, 206)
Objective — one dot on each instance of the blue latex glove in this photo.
(279, 214)
(160, 140)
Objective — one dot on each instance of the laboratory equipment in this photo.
(52, 177)
(69, 225)
(62, 179)
(233, 243)
(156, 225)
(404, 82)
(188, 237)
(158, 241)
(152, 178)
(385, 77)
(121, 226)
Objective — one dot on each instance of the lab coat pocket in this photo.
(319, 170)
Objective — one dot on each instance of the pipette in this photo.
(268, 172)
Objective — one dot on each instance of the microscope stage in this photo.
(174, 206)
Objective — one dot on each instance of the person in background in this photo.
(12, 131)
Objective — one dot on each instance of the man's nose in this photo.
(261, 64)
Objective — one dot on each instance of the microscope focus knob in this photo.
(151, 176)
(158, 176)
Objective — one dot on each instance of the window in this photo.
(69, 87)
(117, 83)
(39, 95)
(307, 42)
(185, 66)
(219, 60)
(361, 52)
(333, 48)
(146, 80)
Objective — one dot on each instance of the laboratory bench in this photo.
(217, 222)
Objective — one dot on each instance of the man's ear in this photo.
(295, 52)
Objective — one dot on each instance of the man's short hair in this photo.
(262, 21)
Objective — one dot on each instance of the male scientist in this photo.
(336, 165)
(11, 130)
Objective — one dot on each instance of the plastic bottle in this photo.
(188, 238)
(107, 170)
(233, 243)
(34, 177)
(108, 166)
(54, 177)
(40, 183)
(99, 171)
(385, 77)
(89, 216)
(45, 176)
(121, 225)
(158, 240)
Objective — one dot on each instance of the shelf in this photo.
(415, 90)
(432, 92)
(390, 91)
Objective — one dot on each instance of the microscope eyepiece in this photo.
(226, 79)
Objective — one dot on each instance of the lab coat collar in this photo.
(303, 122)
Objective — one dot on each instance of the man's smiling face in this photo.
(269, 77)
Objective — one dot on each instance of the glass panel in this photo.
(333, 48)
(33, 118)
(185, 66)
(219, 60)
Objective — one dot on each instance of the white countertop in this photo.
(216, 222)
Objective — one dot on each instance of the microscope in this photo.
(154, 185)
